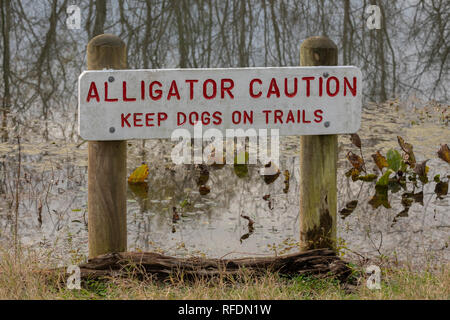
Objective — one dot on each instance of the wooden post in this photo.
(107, 164)
(318, 160)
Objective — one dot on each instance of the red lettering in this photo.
(320, 86)
(191, 121)
(252, 94)
(179, 123)
(273, 89)
(347, 84)
(318, 116)
(214, 89)
(217, 117)
(95, 95)
(267, 112)
(304, 117)
(157, 91)
(336, 88)
(278, 114)
(173, 91)
(136, 120)
(248, 117)
(228, 89)
(191, 88)
(142, 90)
(124, 86)
(106, 94)
(233, 118)
(149, 119)
(206, 120)
(308, 85)
(290, 117)
(162, 116)
(125, 120)
(290, 94)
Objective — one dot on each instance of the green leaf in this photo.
(240, 164)
(241, 170)
(241, 158)
(368, 178)
(184, 203)
(394, 159)
(384, 179)
(394, 186)
(380, 198)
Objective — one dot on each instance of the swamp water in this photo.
(52, 212)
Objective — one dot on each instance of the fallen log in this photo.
(319, 262)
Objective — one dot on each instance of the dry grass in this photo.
(20, 278)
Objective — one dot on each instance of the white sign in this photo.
(143, 104)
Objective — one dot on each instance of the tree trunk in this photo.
(345, 35)
(100, 17)
(182, 45)
(6, 99)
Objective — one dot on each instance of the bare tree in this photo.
(100, 17)
(6, 99)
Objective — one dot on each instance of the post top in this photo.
(106, 40)
(106, 51)
(318, 42)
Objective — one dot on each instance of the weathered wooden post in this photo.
(318, 160)
(107, 164)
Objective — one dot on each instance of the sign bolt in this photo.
(112, 130)
(111, 79)
(325, 75)
(326, 124)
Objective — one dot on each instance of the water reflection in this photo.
(186, 209)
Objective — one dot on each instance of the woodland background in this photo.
(41, 57)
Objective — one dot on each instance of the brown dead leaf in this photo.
(286, 181)
(250, 221)
(349, 207)
(270, 172)
(356, 161)
(421, 170)
(354, 173)
(217, 161)
(203, 175)
(356, 140)
(380, 160)
(444, 153)
(407, 148)
(40, 213)
(204, 190)
(441, 189)
(401, 214)
(175, 215)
